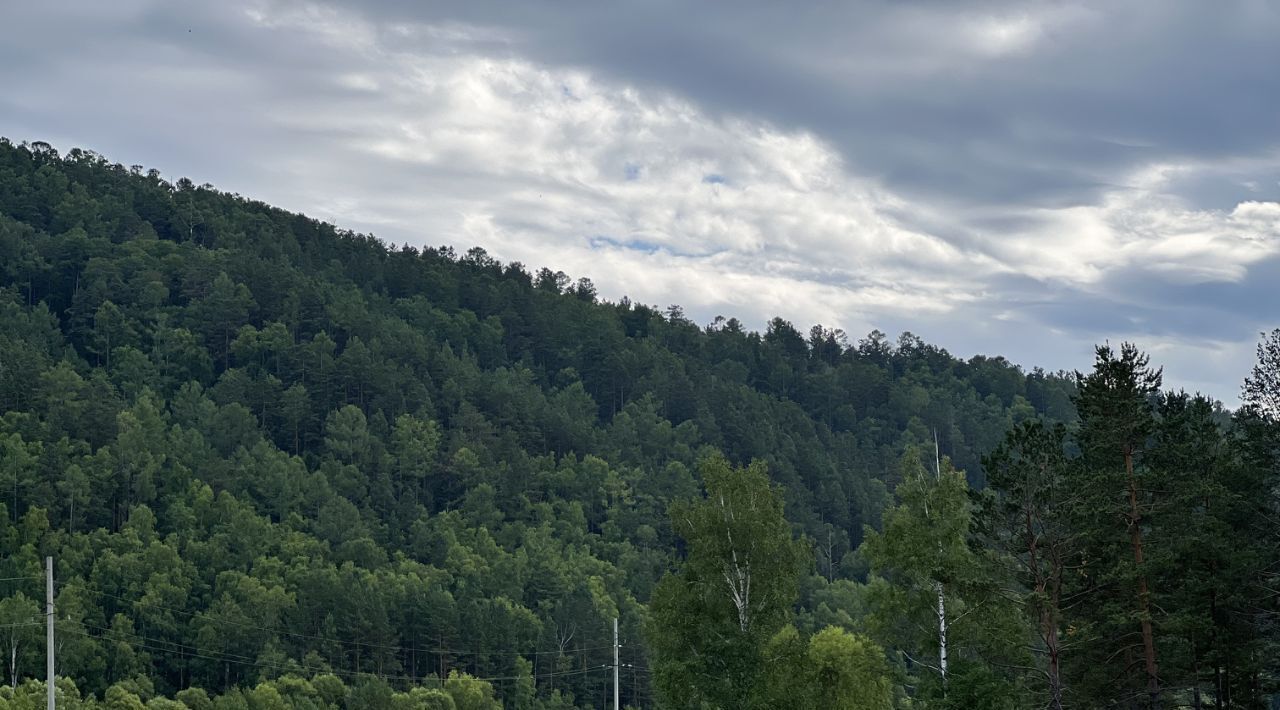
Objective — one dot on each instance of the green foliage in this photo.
(1118, 492)
(1027, 520)
(20, 636)
(1138, 541)
(720, 634)
(1260, 393)
(733, 592)
(936, 598)
(835, 669)
(261, 447)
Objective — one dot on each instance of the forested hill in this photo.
(257, 444)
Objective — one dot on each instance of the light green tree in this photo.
(733, 592)
(934, 598)
(833, 669)
(20, 632)
(470, 693)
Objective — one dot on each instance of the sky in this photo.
(1024, 179)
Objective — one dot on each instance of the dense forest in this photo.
(282, 465)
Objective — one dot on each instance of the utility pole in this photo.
(48, 611)
(616, 706)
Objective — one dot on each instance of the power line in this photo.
(20, 624)
(206, 616)
(164, 646)
(192, 652)
(180, 647)
(137, 641)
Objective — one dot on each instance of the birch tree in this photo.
(735, 589)
(934, 598)
(1261, 390)
(20, 633)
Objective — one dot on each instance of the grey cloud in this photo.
(1217, 310)
(1224, 189)
(1094, 92)
(972, 154)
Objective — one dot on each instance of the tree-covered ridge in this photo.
(1128, 560)
(255, 443)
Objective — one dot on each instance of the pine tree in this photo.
(1026, 517)
(1114, 403)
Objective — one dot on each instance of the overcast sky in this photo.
(1024, 179)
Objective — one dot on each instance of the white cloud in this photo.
(556, 166)
(435, 133)
(1136, 225)
(654, 198)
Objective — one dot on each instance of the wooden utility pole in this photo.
(616, 705)
(48, 612)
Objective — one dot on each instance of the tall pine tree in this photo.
(1026, 518)
(1114, 403)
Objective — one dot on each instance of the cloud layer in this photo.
(1019, 179)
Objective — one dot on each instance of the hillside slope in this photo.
(255, 443)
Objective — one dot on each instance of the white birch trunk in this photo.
(942, 632)
(937, 585)
(737, 575)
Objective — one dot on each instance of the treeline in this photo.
(263, 450)
(1129, 560)
(1139, 547)
(324, 691)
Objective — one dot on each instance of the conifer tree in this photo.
(1026, 518)
(1114, 403)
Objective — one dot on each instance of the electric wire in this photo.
(137, 641)
(438, 650)
(20, 624)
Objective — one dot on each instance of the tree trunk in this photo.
(1049, 613)
(942, 633)
(1144, 609)
(1197, 702)
(1226, 683)
(1049, 629)
(1217, 687)
(1056, 687)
